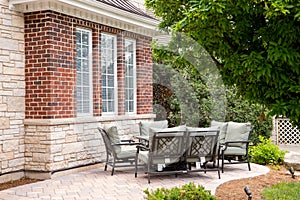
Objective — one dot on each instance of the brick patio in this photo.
(96, 184)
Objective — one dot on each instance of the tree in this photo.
(254, 43)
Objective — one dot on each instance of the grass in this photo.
(282, 191)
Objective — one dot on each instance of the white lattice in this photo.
(286, 133)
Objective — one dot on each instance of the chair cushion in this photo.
(236, 151)
(181, 128)
(195, 129)
(127, 152)
(113, 134)
(144, 155)
(237, 132)
(129, 148)
(114, 137)
(223, 129)
(145, 126)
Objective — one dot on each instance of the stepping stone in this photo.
(292, 159)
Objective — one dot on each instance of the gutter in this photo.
(113, 12)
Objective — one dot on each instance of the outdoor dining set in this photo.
(178, 150)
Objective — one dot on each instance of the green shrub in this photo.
(186, 192)
(282, 191)
(189, 100)
(266, 153)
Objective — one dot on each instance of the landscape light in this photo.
(248, 192)
(292, 172)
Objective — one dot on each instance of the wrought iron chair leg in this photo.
(222, 162)
(248, 163)
(105, 167)
(204, 166)
(113, 168)
(136, 163)
(148, 170)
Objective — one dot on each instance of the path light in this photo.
(292, 172)
(248, 192)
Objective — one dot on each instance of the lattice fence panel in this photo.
(286, 133)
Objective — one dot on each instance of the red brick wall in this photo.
(50, 66)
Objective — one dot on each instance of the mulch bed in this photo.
(22, 181)
(235, 189)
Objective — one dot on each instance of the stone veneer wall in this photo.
(12, 93)
(53, 145)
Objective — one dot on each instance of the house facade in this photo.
(67, 67)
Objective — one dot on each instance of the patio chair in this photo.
(146, 126)
(119, 153)
(236, 143)
(166, 149)
(202, 148)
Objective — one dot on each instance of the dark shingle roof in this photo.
(125, 5)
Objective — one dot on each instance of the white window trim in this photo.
(134, 79)
(90, 57)
(115, 76)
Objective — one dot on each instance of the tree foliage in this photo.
(254, 43)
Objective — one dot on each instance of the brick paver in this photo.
(96, 184)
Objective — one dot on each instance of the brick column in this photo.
(97, 79)
(121, 73)
(144, 76)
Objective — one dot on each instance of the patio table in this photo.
(197, 146)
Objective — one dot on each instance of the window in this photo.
(130, 74)
(109, 74)
(84, 72)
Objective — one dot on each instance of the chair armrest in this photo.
(142, 147)
(126, 143)
(143, 139)
(224, 146)
(241, 141)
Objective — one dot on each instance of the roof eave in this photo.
(93, 11)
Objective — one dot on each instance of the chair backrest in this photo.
(146, 126)
(109, 148)
(114, 138)
(168, 146)
(238, 132)
(223, 129)
(203, 142)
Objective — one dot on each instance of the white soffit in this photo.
(92, 10)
